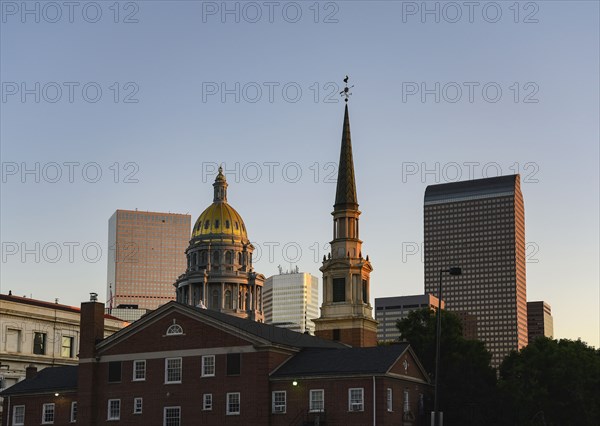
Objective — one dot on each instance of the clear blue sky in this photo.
(180, 56)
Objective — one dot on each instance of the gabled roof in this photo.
(50, 379)
(258, 333)
(44, 304)
(350, 361)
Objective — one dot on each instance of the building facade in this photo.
(219, 273)
(390, 310)
(39, 334)
(346, 311)
(539, 320)
(146, 253)
(182, 365)
(292, 301)
(479, 226)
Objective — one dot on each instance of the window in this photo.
(66, 348)
(228, 300)
(355, 399)
(139, 370)
(114, 409)
(406, 403)
(317, 400)
(174, 330)
(114, 371)
(13, 340)
(18, 415)
(73, 416)
(207, 402)
(48, 414)
(172, 416)
(389, 399)
(206, 224)
(233, 364)
(39, 343)
(278, 402)
(339, 289)
(336, 334)
(137, 405)
(208, 366)
(227, 224)
(173, 370)
(233, 403)
(365, 295)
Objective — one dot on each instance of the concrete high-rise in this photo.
(292, 301)
(539, 320)
(479, 226)
(389, 310)
(146, 253)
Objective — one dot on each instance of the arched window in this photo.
(228, 258)
(237, 227)
(217, 223)
(228, 301)
(240, 258)
(204, 257)
(227, 224)
(206, 224)
(216, 257)
(174, 329)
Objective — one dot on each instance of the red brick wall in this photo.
(33, 408)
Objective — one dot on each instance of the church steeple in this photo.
(345, 195)
(346, 312)
(220, 187)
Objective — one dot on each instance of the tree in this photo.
(552, 382)
(467, 384)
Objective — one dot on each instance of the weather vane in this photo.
(346, 92)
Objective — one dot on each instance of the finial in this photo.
(346, 92)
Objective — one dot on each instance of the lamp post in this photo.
(438, 330)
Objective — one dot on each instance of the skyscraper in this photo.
(146, 253)
(539, 320)
(219, 274)
(479, 225)
(346, 314)
(292, 301)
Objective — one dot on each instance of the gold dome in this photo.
(220, 221)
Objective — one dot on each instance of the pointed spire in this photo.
(345, 196)
(220, 187)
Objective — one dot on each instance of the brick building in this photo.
(183, 365)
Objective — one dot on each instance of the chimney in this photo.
(30, 371)
(91, 326)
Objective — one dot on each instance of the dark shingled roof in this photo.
(50, 379)
(318, 362)
(470, 188)
(274, 334)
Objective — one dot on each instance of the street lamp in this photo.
(438, 329)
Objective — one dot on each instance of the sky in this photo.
(112, 105)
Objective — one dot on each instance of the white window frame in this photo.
(207, 402)
(46, 411)
(178, 408)
(135, 363)
(174, 330)
(15, 422)
(239, 404)
(71, 348)
(109, 414)
(406, 402)
(278, 407)
(73, 412)
(138, 402)
(311, 401)
(204, 366)
(389, 399)
(167, 381)
(356, 406)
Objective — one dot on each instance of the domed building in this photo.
(219, 274)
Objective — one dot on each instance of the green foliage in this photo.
(467, 384)
(552, 383)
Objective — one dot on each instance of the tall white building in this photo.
(291, 300)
